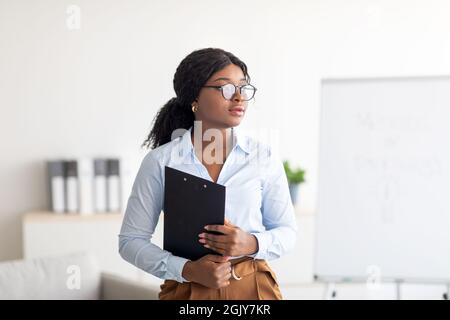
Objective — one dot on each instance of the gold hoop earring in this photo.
(194, 108)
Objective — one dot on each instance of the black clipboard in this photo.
(190, 203)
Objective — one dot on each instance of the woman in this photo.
(212, 89)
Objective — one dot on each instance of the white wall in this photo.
(94, 91)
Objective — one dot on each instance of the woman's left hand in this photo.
(234, 241)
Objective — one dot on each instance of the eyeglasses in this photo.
(247, 91)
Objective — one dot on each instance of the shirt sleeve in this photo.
(277, 214)
(141, 217)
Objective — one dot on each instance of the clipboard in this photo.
(190, 203)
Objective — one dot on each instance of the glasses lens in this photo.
(228, 91)
(247, 92)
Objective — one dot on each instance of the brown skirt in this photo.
(258, 282)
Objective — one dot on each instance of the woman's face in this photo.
(213, 109)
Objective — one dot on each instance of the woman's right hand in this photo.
(212, 271)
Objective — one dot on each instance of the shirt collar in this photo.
(240, 140)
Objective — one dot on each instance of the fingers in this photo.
(222, 244)
(219, 228)
(215, 245)
(213, 237)
(225, 249)
(221, 248)
(223, 274)
(226, 266)
(221, 251)
(225, 271)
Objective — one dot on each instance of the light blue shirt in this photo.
(257, 201)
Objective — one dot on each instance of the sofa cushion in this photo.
(72, 276)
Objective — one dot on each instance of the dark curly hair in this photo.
(192, 73)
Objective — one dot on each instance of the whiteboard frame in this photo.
(358, 279)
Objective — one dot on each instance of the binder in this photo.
(71, 186)
(86, 181)
(190, 203)
(113, 185)
(56, 178)
(100, 199)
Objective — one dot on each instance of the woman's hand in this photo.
(233, 242)
(211, 271)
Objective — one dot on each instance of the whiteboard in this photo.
(384, 180)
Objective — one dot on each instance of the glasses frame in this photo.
(235, 90)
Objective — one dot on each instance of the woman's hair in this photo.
(190, 76)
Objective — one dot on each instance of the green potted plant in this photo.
(295, 177)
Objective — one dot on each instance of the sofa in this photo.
(73, 276)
